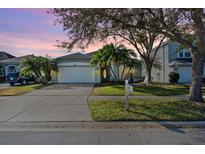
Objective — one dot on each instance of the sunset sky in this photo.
(30, 31)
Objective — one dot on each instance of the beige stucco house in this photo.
(76, 68)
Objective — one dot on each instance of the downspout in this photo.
(163, 64)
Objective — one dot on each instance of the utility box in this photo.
(130, 88)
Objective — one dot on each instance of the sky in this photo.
(31, 31)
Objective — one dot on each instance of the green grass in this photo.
(139, 89)
(147, 110)
(20, 89)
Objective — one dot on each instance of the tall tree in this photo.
(39, 67)
(104, 58)
(85, 26)
(147, 45)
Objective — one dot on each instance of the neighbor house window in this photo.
(187, 54)
(2, 71)
(12, 69)
(181, 54)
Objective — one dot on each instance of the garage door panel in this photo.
(75, 74)
(185, 74)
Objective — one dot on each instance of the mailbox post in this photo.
(128, 89)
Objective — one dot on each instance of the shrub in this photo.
(173, 77)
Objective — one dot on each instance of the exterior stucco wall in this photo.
(134, 71)
(6, 68)
(161, 75)
(97, 75)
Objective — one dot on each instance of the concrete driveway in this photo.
(58, 102)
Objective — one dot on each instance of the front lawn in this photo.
(20, 89)
(139, 89)
(147, 110)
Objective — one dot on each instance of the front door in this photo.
(105, 76)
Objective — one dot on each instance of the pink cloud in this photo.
(30, 44)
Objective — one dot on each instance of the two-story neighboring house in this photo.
(173, 58)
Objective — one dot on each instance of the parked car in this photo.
(14, 78)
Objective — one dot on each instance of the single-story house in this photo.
(11, 65)
(173, 59)
(4, 56)
(76, 68)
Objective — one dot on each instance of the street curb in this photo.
(93, 126)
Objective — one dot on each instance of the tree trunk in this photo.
(122, 72)
(198, 58)
(118, 72)
(115, 78)
(148, 77)
(197, 79)
(129, 70)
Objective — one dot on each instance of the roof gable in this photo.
(5, 55)
(16, 60)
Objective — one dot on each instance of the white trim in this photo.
(12, 66)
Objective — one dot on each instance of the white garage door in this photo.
(185, 74)
(75, 74)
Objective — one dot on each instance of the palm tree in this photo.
(39, 67)
(103, 59)
(47, 67)
(111, 55)
(31, 67)
(125, 58)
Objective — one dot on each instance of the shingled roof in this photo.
(77, 55)
(16, 60)
(5, 55)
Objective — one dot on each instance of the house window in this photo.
(181, 54)
(11, 69)
(2, 71)
(187, 54)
